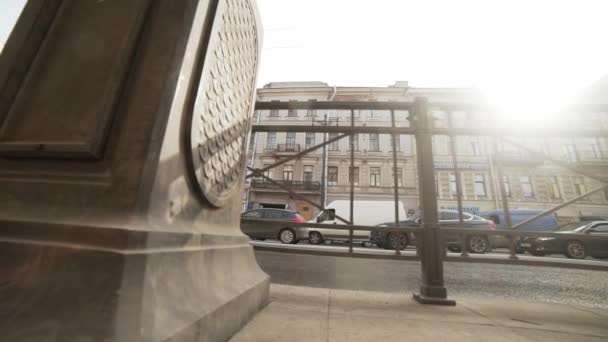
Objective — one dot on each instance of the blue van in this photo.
(546, 223)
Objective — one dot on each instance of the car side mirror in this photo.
(418, 220)
(591, 230)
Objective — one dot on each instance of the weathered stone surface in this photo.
(105, 233)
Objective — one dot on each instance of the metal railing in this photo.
(429, 236)
(288, 148)
(463, 233)
(313, 186)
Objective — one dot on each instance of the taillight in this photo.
(300, 219)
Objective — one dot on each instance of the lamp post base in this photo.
(433, 300)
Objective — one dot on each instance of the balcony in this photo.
(298, 186)
(587, 157)
(288, 148)
(518, 157)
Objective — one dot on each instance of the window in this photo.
(268, 173)
(374, 142)
(569, 152)
(332, 175)
(601, 228)
(271, 140)
(399, 177)
(292, 112)
(453, 187)
(334, 146)
(480, 185)
(308, 173)
(291, 140)
(355, 138)
(506, 185)
(526, 186)
(288, 173)
(475, 149)
(554, 188)
(254, 214)
(274, 112)
(275, 214)
(579, 185)
(606, 195)
(374, 176)
(353, 174)
(397, 142)
(311, 112)
(437, 185)
(310, 139)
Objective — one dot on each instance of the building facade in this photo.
(530, 182)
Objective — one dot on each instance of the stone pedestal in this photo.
(122, 133)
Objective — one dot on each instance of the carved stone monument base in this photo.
(122, 131)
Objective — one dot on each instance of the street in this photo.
(463, 280)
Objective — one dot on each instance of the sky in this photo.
(543, 53)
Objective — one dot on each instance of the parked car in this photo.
(448, 219)
(571, 245)
(543, 224)
(365, 213)
(261, 231)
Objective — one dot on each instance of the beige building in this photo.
(531, 183)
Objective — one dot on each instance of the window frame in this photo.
(288, 173)
(268, 139)
(334, 174)
(334, 146)
(351, 176)
(376, 140)
(377, 177)
(477, 182)
(522, 188)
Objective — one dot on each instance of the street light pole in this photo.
(432, 288)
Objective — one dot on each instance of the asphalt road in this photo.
(546, 284)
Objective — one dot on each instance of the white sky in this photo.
(541, 52)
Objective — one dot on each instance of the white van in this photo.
(367, 213)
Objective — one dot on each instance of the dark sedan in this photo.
(260, 230)
(448, 220)
(571, 245)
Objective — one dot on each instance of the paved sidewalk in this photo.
(318, 314)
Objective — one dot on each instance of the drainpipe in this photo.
(331, 97)
(493, 174)
(255, 144)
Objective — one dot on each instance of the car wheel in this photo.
(287, 235)
(537, 253)
(576, 250)
(478, 244)
(315, 238)
(396, 240)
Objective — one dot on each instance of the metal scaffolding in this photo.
(430, 247)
